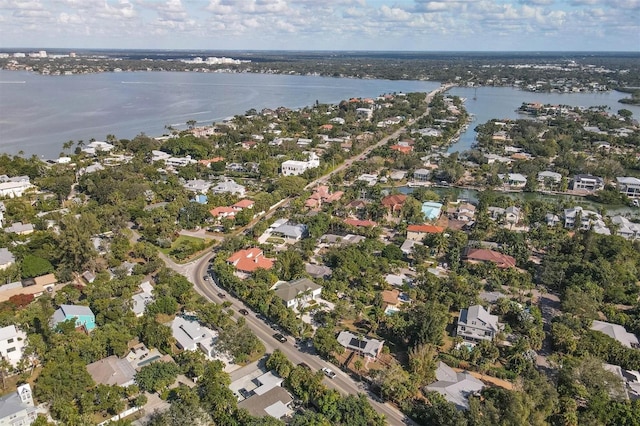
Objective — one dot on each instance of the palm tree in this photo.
(357, 364)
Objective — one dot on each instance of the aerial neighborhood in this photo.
(320, 265)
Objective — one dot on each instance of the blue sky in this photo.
(413, 25)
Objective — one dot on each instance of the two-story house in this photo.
(475, 324)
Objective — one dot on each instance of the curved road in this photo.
(197, 270)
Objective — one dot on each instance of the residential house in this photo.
(297, 292)
(431, 210)
(392, 300)
(97, 146)
(369, 348)
(275, 403)
(229, 187)
(421, 175)
(112, 371)
(629, 186)
(191, 336)
(243, 204)
(321, 194)
(419, 232)
(625, 228)
(365, 113)
(394, 202)
(357, 223)
(403, 149)
(12, 343)
(200, 186)
(617, 332)
(35, 286)
(455, 387)
(484, 255)
(515, 180)
(20, 228)
(17, 408)
(370, 179)
(321, 272)
(142, 299)
(222, 212)
(14, 186)
(476, 323)
(293, 232)
(82, 314)
(296, 167)
(334, 240)
(587, 183)
(464, 212)
(512, 215)
(579, 218)
(547, 178)
(6, 258)
(249, 260)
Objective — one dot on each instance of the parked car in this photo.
(279, 337)
(222, 295)
(328, 372)
(244, 312)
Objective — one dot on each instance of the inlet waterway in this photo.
(39, 113)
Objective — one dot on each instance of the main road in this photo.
(198, 273)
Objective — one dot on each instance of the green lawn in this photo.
(192, 246)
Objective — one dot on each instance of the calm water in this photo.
(39, 113)
(502, 102)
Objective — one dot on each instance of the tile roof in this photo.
(358, 223)
(484, 255)
(250, 259)
(426, 228)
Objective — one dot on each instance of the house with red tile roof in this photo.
(394, 202)
(243, 204)
(360, 223)
(484, 255)
(222, 212)
(249, 260)
(321, 195)
(419, 232)
(404, 149)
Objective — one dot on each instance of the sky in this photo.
(385, 25)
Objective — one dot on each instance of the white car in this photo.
(328, 372)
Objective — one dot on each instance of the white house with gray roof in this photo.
(629, 186)
(475, 324)
(291, 231)
(17, 408)
(12, 343)
(296, 292)
(191, 336)
(229, 187)
(455, 387)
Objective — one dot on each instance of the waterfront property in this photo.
(629, 186)
(587, 183)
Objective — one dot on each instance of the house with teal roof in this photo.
(431, 210)
(83, 315)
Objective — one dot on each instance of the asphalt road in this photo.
(342, 382)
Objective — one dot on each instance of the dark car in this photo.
(222, 295)
(279, 337)
(244, 312)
